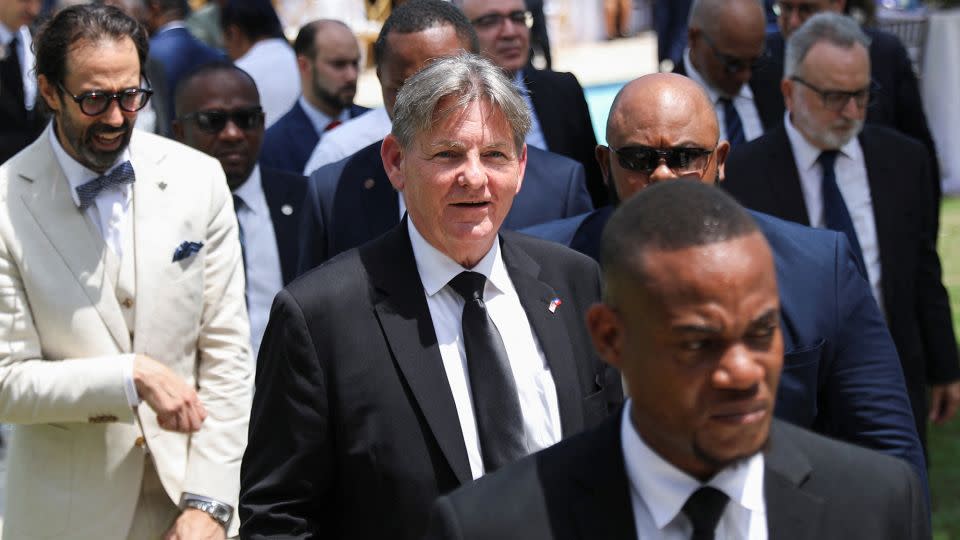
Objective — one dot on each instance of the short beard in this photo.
(333, 100)
(81, 140)
(824, 137)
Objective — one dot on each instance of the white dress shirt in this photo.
(658, 491)
(743, 102)
(350, 137)
(112, 214)
(535, 386)
(851, 172)
(535, 135)
(319, 119)
(26, 58)
(262, 258)
(273, 66)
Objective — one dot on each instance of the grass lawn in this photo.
(945, 441)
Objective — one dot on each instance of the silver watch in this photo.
(220, 512)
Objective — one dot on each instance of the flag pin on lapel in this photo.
(162, 185)
(554, 304)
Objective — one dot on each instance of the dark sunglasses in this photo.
(97, 101)
(836, 100)
(682, 160)
(493, 20)
(214, 121)
(733, 64)
(804, 10)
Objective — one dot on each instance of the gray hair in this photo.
(467, 76)
(833, 28)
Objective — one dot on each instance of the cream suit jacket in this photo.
(76, 457)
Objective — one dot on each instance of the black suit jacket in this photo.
(288, 143)
(767, 97)
(762, 175)
(578, 490)
(18, 126)
(285, 193)
(354, 431)
(561, 107)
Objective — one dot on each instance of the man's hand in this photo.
(177, 404)
(195, 524)
(944, 400)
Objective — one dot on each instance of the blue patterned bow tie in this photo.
(87, 193)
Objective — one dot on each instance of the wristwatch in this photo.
(220, 512)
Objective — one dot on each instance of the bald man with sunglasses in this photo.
(219, 113)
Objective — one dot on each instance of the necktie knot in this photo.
(332, 125)
(120, 175)
(704, 509)
(469, 285)
(827, 159)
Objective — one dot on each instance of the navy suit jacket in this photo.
(841, 374)
(288, 143)
(351, 202)
(179, 53)
(285, 193)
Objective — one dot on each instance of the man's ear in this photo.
(49, 93)
(721, 153)
(786, 88)
(606, 332)
(303, 65)
(602, 153)
(522, 160)
(392, 155)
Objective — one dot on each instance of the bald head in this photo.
(732, 16)
(661, 103)
(726, 39)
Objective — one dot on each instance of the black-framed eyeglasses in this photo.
(214, 121)
(682, 160)
(733, 64)
(836, 100)
(803, 9)
(96, 102)
(494, 20)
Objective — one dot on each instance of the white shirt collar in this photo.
(318, 118)
(6, 35)
(744, 93)
(76, 173)
(437, 269)
(251, 193)
(664, 488)
(806, 154)
(520, 83)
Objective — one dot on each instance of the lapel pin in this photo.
(286, 209)
(162, 185)
(554, 304)
(368, 183)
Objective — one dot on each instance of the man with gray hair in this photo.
(824, 168)
(441, 351)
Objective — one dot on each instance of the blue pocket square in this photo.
(185, 250)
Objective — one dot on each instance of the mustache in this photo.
(104, 129)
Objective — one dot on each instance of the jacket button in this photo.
(140, 442)
(127, 303)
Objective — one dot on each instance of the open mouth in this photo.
(108, 140)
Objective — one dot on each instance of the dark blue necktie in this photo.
(10, 75)
(120, 175)
(835, 213)
(237, 205)
(496, 404)
(732, 123)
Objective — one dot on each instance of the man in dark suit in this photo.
(329, 61)
(690, 318)
(176, 51)
(443, 350)
(351, 201)
(820, 169)
(841, 374)
(20, 119)
(726, 51)
(895, 95)
(219, 113)
(561, 118)
(670, 22)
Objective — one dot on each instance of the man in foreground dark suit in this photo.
(690, 317)
(823, 167)
(20, 119)
(219, 113)
(351, 201)
(841, 375)
(441, 351)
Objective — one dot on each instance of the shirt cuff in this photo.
(129, 387)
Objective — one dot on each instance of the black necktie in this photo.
(237, 205)
(835, 213)
(732, 123)
(11, 79)
(704, 509)
(496, 404)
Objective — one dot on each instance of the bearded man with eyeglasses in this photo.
(824, 167)
(219, 113)
(125, 365)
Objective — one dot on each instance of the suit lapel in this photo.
(302, 134)
(285, 224)
(535, 296)
(550, 123)
(65, 226)
(886, 202)
(406, 322)
(784, 179)
(792, 513)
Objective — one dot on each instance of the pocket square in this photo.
(185, 250)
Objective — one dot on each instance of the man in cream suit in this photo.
(124, 358)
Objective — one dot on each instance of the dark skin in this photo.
(236, 149)
(726, 29)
